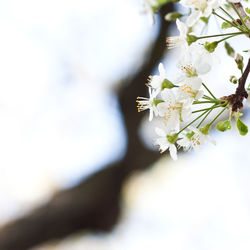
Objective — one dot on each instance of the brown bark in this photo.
(94, 204)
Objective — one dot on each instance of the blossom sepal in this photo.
(172, 138)
(205, 130)
(210, 47)
(223, 125)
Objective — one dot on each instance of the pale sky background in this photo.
(54, 124)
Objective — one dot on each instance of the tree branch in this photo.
(243, 14)
(236, 100)
(94, 204)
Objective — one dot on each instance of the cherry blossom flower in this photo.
(157, 80)
(200, 8)
(148, 103)
(164, 143)
(178, 41)
(190, 89)
(170, 109)
(193, 139)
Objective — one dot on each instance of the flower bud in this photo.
(229, 49)
(239, 61)
(233, 79)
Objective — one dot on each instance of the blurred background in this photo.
(78, 170)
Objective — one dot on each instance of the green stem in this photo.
(217, 116)
(193, 121)
(224, 39)
(208, 90)
(235, 9)
(213, 107)
(227, 14)
(201, 102)
(208, 98)
(203, 119)
(231, 23)
(228, 34)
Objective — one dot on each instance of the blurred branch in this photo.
(94, 204)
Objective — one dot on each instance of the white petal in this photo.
(199, 94)
(173, 151)
(150, 115)
(161, 70)
(182, 28)
(160, 132)
(195, 82)
(168, 95)
(193, 18)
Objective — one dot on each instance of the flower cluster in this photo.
(172, 101)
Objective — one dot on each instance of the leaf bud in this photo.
(243, 129)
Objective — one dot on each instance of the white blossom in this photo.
(149, 6)
(190, 89)
(178, 41)
(170, 109)
(157, 80)
(196, 60)
(193, 139)
(199, 8)
(148, 103)
(164, 144)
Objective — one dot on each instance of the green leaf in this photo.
(247, 11)
(243, 129)
(226, 25)
(223, 125)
